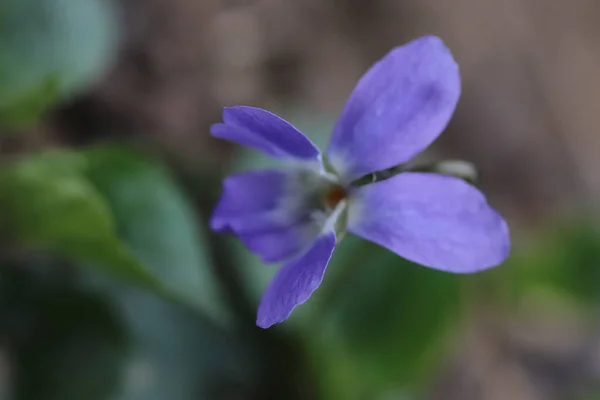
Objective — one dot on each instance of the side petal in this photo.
(259, 207)
(434, 220)
(246, 200)
(294, 282)
(397, 109)
(264, 131)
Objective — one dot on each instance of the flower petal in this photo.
(437, 221)
(264, 131)
(283, 243)
(265, 210)
(396, 110)
(294, 282)
(247, 200)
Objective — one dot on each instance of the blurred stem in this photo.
(337, 377)
(351, 262)
(457, 168)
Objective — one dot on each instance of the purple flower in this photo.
(295, 215)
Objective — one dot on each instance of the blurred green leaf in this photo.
(179, 354)
(157, 223)
(255, 274)
(113, 209)
(387, 318)
(76, 348)
(566, 259)
(46, 202)
(30, 106)
(91, 337)
(51, 50)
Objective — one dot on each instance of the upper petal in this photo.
(294, 282)
(437, 221)
(397, 109)
(264, 131)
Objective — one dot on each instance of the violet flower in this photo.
(297, 214)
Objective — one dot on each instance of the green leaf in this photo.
(158, 224)
(114, 209)
(30, 106)
(75, 349)
(47, 203)
(180, 354)
(387, 318)
(94, 338)
(51, 50)
(565, 260)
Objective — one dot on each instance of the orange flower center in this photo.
(334, 196)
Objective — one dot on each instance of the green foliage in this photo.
(77, 352)
(51, 50)
(157, 223)
(29, 106)
(177, 353)
(113, 209)
(64, 343)
(47, 203)
(85, 336)
(566, 260)
(387, 317)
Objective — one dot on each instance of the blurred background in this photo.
(113, 287)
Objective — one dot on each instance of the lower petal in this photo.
(434, 220)
(282, 243)
(295, 281)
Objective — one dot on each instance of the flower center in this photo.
(333, 196)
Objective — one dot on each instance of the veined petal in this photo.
(396, 110)
(295, 282)
(434, 220)
(264, 131)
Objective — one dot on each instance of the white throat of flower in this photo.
(332, 222)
